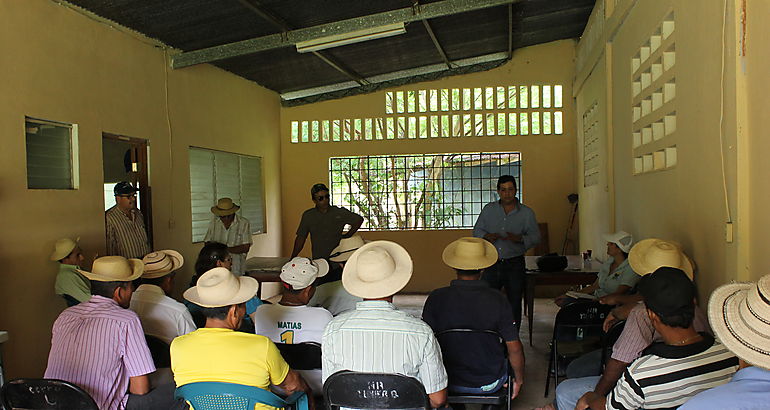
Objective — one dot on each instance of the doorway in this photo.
(125, 159)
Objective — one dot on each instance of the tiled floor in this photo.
(536, 356)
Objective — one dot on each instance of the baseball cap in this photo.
(667, 291)
(124, 188)
(301, 272)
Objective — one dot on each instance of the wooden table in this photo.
(265, 269)
(575, 274)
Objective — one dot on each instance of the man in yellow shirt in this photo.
(219, 353)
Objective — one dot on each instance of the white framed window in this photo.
(52, 154)
(218, 174)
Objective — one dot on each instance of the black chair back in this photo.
(579, 321)
(301, 356)
(45, 394)
(374, 391)
(160, 351)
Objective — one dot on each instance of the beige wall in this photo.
(548, 170)
(60, 65)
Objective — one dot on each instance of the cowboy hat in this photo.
(224, 207)
(346, 247)
(469, 253)
(650, 254)
(738, 315)
(377, 270)
(218, 287)
(301, 272)
(63, 247)
(114, 269)
(161, 263)
(622, 239)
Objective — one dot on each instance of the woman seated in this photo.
(615, 276)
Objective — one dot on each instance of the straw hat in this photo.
(470, 253)
(622, 239)
(63, 247)
(650, 254)
(161, 263)
(219, 287)
(346, 248)
(377, 270)
(114, 269)
(302, 272)
(738, 314)
(224, 207)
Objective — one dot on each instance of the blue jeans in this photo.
(488, 389)
(570, 391)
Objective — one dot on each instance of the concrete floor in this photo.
(531, 395)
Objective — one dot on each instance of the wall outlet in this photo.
(729, 232)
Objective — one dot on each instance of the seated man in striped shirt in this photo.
(684, 364)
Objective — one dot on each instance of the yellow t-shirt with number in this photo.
(224, 355)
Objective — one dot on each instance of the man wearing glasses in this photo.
(325, 224)
(126, 235)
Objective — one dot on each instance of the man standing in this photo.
(161, 316)
(511, 227)
(324, 223)
(231, 230)
(70, 284)
(126, 234)
(99, 344)
(376, 337)
(469, 303)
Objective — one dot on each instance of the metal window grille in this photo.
(420, 191)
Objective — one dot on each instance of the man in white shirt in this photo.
(291, 321)
(161, 316)
(231, 230)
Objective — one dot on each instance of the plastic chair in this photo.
(456, 362)
(577, 330)
(160, 351)
(609, 339)
(301, 356)
(374, 391)
(45, 394)
(231, 396)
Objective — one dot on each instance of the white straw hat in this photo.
(650, 254)
(302, 272)
(161, 263)
(62, 248)
(739, 314)
(219, 287)
(622, 239)
(114, 269)
(346, 248)
(377, 270)
(470, 253)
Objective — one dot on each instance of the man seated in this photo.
(738, 313)
(645, 257)
(71, 285)
(219, 353)
(376, 337)
(331, 295)
(684, 364)
(99, 344)
(161, 315)
(291, 320)
(470, 303)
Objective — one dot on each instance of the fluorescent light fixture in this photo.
(351, 37)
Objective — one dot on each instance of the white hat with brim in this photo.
(161, 263)
(63, 247)
(621, 239)
(302, 272)
(650, 254)
(218, 287)
(346, 248)
(114, 269)
(224, 207)
(738, 314)
(377, 270)
(469, 253)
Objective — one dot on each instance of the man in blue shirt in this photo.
(510, 226)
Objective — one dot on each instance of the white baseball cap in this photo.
(622, 239)
(301, 272)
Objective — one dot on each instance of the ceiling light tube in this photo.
(351, 37)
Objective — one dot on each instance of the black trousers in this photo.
(508, 274)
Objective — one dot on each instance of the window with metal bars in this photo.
(420, 191)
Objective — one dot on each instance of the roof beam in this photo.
(290, 38)
(437, 44)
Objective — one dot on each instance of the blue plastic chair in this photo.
(231, 396)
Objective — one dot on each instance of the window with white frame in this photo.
(52, 155)
(217, 174)
(420, 191)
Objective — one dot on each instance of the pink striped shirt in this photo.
(98, 345)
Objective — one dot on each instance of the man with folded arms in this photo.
(738, 313)
(684, 364)
(99, 344)
(70, 284)
(469, 303)
(219, 353)
(376, 337)
(161, 315)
